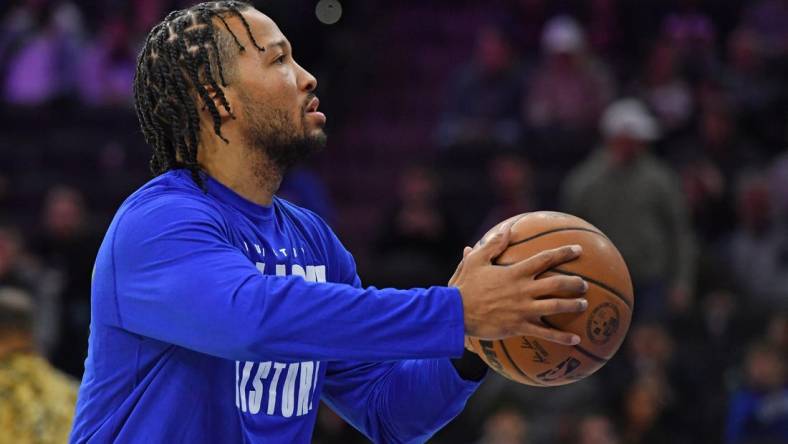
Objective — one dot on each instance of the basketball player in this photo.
(223, 314)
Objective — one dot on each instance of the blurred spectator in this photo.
(546, 414)
(41, 45)
(107, 67)
(506, 426)
(758, 252)
(651, 349)
(709, 162)
(663, 88)
(768, 18)
(511, 179)
(668, 367)
(759, 409)
(36, 401)
(19, 270)
(752, 88)
(705, 189)
(644, 419)
(719, 317)
(693, 34)
(707, 347)
(597, 429)
(483, 102)
(417, 244)
(570, 87)
(67, 242)
(635, 199)
(720, 141)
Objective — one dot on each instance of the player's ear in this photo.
(224, 114)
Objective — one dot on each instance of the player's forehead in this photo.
(264, 29)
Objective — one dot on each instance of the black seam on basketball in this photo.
(599, 284)
(545, 233)
(516, 367)
(579, 348)
(556, 230)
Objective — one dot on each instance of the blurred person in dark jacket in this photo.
(484, 98)
(751, 87)
(636, 200)
(644, 412)
(511, 179)
(759, 410)
(19, 269)
(709, 161)
(418, 238)
(36, 400)
(68, 243)
(758, 249)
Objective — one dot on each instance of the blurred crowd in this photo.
(663, 123)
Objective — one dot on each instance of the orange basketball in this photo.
(601, 327)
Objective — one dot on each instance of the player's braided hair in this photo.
(182, 55)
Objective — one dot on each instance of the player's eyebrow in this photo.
(280, 43)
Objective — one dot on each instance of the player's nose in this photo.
(306, 81)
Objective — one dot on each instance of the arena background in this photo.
(445, 117)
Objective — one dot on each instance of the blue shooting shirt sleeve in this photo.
(179, 280)
(395, 402)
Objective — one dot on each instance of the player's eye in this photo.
(280, 60)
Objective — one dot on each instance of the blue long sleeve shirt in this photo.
(215, 319)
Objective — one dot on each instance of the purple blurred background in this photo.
(663, 122)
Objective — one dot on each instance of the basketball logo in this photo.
(603, 323)
(564, 369)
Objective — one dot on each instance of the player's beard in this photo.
(273, 132)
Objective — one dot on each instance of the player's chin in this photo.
(317, 139)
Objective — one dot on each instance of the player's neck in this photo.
(246, 171)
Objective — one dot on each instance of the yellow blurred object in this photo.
(36, 401)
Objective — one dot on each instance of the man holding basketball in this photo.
(221, 313)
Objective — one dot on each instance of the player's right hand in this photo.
(503, 301)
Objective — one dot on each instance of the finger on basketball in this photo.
(546, 307)
(550, 334)
(547, 259)
(564, 286)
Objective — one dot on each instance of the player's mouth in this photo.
(311, 111)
